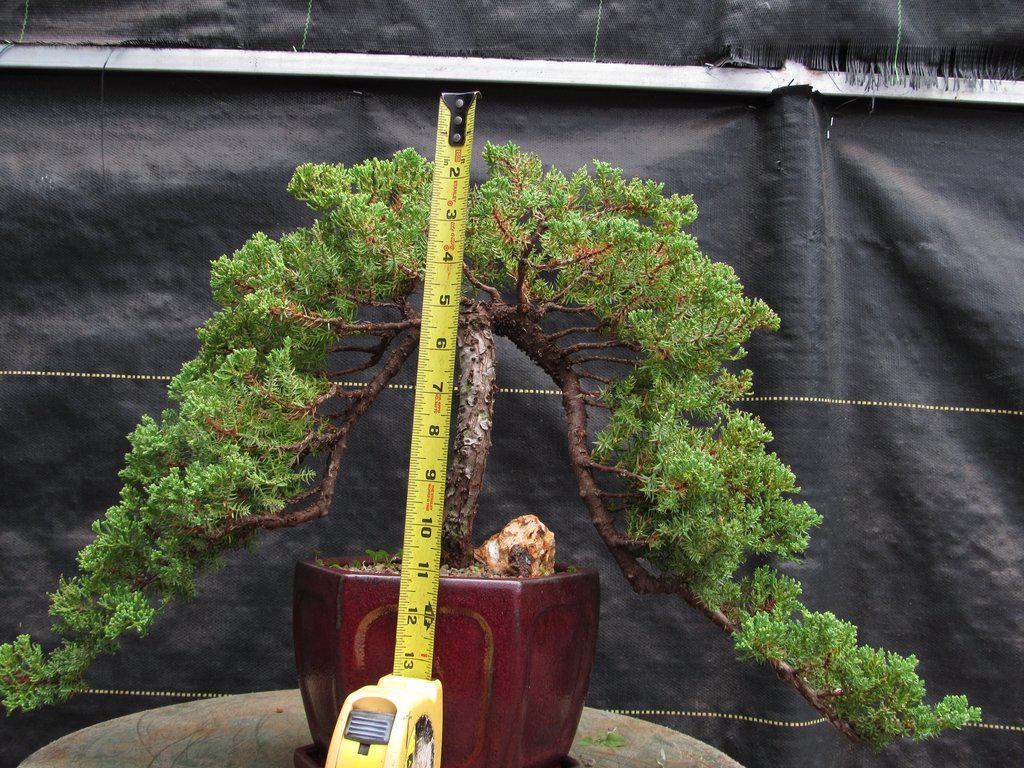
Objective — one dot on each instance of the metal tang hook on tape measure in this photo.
(397, 723)
(458, 105)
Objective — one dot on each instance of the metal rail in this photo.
(578, 74)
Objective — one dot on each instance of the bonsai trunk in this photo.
(477, 385)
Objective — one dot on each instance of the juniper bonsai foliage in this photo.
(595, 278)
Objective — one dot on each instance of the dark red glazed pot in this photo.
(513, 657)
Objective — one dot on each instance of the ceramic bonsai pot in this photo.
(514, 658)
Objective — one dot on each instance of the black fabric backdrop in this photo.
(888, 236)
(972, 38)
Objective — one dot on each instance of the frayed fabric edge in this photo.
(951, 68)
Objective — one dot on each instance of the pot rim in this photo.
(561, 573)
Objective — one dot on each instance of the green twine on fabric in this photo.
(899, 33)
(24, 23)
(305, 30)
(597, 29)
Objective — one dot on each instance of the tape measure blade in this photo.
(432, 400)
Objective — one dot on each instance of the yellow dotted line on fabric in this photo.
(720, 715)
(162, 694)
(780, 723)
(882, 404)
(87, 375)
(501, 390)
(157, 377)
(631, 712)
(408, 387)
(526, 391)
(539, 391)
(998, 727)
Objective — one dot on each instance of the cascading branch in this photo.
(595, 279)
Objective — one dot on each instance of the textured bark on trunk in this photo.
(477, 385)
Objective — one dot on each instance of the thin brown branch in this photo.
(220, 429)
(580, 255)
(364, 366)
(604, 359)
(620, 471)
(349, 393)
(567, 288)
(554, 306)
(325, 490)
(354, 348)
(296, 410)
(376, 352)
(521, 290)
(531, 340)
(502, 225)
(621, 541)
(658, 252)
(318, 508)
(555, 335)
(610, 344)
(370, 302)
(340, 325)
(522, 286)
(493, 292)
(593, 377)
(408, 271)
(304, 446)
(305, 494)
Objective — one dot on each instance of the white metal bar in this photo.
(726, 80)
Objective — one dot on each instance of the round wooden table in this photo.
(261, 730)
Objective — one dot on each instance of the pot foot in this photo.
(311, 757)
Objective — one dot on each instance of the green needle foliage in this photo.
(705, 505)
(229, 451)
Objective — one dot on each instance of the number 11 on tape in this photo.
(397, 723)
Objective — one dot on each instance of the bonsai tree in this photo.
(595, 278)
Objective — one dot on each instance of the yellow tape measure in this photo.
(435, 380)
(398, 722)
